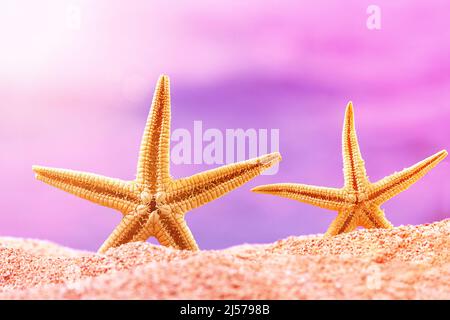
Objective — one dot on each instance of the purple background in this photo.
(78, 99)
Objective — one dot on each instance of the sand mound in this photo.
(408, 262)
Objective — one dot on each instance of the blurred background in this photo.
(77, 78)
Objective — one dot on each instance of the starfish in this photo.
(358, 202)
(154, 203)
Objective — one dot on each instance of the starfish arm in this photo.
(345, 222)
(392, 185)
(108, 192)
(327, 198)
(354, 168)
(172, 231)
(192, 192)
(153, 164)
(373, 217)
(134, 226)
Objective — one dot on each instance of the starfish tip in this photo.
(260, 189)
(349, 109)
(256, 189)
(438, 156)
(36, 169)
(38, 172)
(163, 78)
(441, 155)
(271, 158)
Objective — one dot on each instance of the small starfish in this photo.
(154, 204)
(358, 202)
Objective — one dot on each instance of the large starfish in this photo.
(154, 204)
(358, 202)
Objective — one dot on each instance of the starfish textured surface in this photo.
(358, 202)
(154, 204)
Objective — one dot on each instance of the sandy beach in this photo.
(407, 262)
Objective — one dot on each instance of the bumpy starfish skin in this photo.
(358, 202)
(154, 204)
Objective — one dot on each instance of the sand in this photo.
(408, 262)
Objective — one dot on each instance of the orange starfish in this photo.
(358, 202)
(154, 204)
